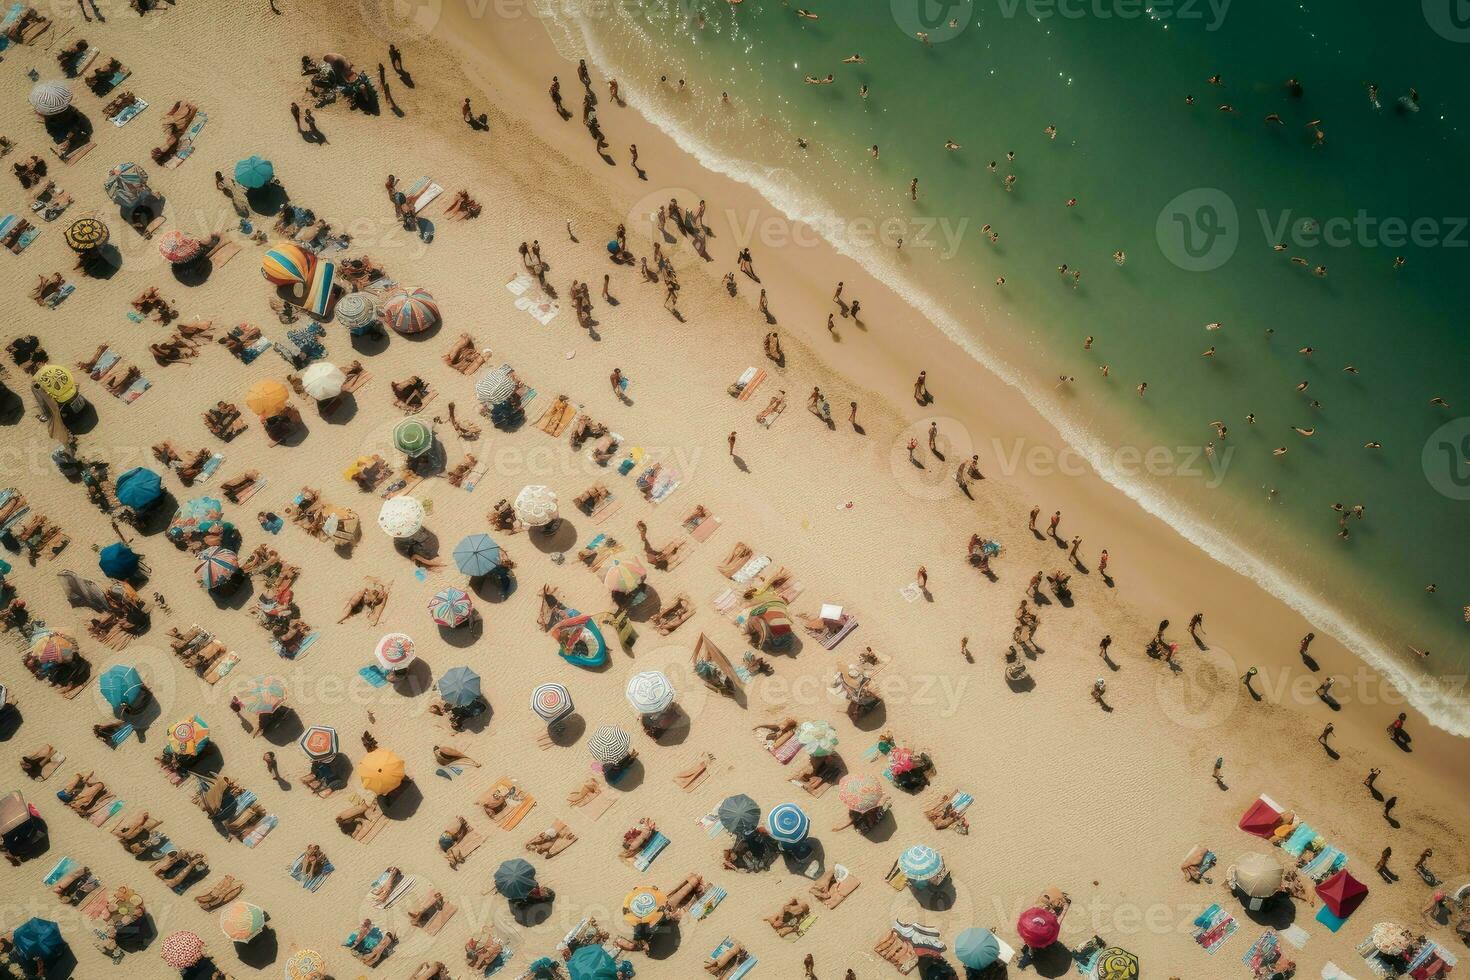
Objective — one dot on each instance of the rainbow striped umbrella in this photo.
(451, 607)
(216, 567)
(551, 702)
(319, 742)
(188, 736)
(241, 921)
(859, 793)
(306, 964)
(53, 647)
(286, 264)
(178, 248)
(182, 950)
(410, 311)
(86, 235)
(264, 695)
(395, 651)
(623, 575)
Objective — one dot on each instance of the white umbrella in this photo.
(50, 98)
(536, 506)
(650, 692)
(322, 380)
(401, 517)
(819, 737)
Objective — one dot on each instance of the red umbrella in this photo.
(1038, 928)
(1342, 893)
(1260, 819)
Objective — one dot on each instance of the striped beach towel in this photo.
(258, 833)
(1299, 839)
(1213, 927)
(310, 884)
(651, 850)
(64, 866)
(319, 293)
(707, 902)
(1325, 865)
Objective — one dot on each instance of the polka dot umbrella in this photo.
(410, 311)
(86, 235)
(50, 98)
(182, 950)
(179, 248)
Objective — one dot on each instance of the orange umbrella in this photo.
(267, 398)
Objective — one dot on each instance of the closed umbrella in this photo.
(920, 863)
(306, 964)
(216, 567)
(787, 824)
(53, 647)
(121, 686)
(623, 575)
(38, 939)
(551, 702)
(322, 380)
(182, 950)
(410, 311)
(381, 772)
(356, 311)
(401, 517)
(187, 736)
(977, 948)
(319, 742)
(139, 488)
(535, 506)
(740, 815)
(495, 386)
(118, 561)
(1255, 875)
(450, 607)
(241, 921)
(85, 235)
(178, 248)
(515, 879)
(394, 651)
(609, 745)
(644, 906)
(286, 264)
(592, 963)
(477, 555)
(859, 793)
(264, 695)
(57, 382)
(819, 737)
(1038, 927)
(650, 692)
(267, 397)
(460, 687)
(126, 184)
(412, 438)
(1116, 963)
(50, 98)
(254, 172)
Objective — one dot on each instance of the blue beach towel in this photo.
(64, 866)
(312, 884)
(1299, 839)
(708, 902)
(373, 674)
(1332, 922)
(121, 735)
(651, 850)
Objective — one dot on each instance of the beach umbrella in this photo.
(819, 737)
(50, 98)
(187, 736)
(53, 647)
(37, 939)
(241, 921)
(495, 386)
(381, 772)
(126, 184)
(920, 863)
(306, 964)
(859, 793)
(1342, 893)
(609, 745)
(216, 567)
(1255, 875)
(264, 695)
(1116, 963)
(592, 963)
(182, 950)
(57, 382)
(535, 506)
(394, 651)
(451, 607)
(900, 760)
(201, 509)
(515, 879)
(1390, 938)
(410, 311)
(412, 438)
(650, 692)
(85, 235)
(121, 686)
(178, 248)
(1038, 927)
(401, 517)
(254, 172)
(477, 555)
(286, 264)
(787, 824)
(356, 310)
(117, 560)
(319, 742)
(644, 906)
(459, 687)
(551, 702)
(267, 397)
(740, 815)
(976, 948)
(322, 380)
(139, 488)
(623, 575)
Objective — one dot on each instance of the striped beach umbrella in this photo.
(623, 574)
(459, 687)
(412, 438)
(182, 950)
(286, 264)
(1038, 927)
(178, 248)
(306, 964)
(976, 948)
(126, 184)
(394, 651)
(477, 555)
(139, 488)
(188, 736)
(819, 737)
(920, 863)
(267, 397)
(254, 172)
(381, 772)
(515, 879)
(241, 921)
(85, 235)
(495, 386)
(609, 745)
(322, 380)
(740, 815)
(121, 686)
(54, 647)
(451, 607)
(401, 517)
(551, 702)
(1116, 963)
(264, 694)
(644, 906)
(118, 561)
(57, 382)
(410, 311)
(650, 692)
(319, 742)
(357, 310)
(859, 793)
(216, 567)
(50, 98)
(787, 824)
(535, 506)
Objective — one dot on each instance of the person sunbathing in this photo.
(431, 971)
(447, 755)
(313, 862)
(421, 913)
(449, 839)
(391, 879)
(371, 957)
(176, 868)
(226, 890)
(237, 485)
(776, 734)
(243, 821)
(45, 286)
(583, 793)
(136, 827)
(456, 475)
(463, 356)
(716, 966)
(544, 841)
(943, 814)
(773, 408)
(502, 516)
(637, 836)
(733, 857)
(410, 395)
(349, 818)
(788, 918)
(190, 469)
(70, 880)
(462, 206)
(88, 799)
(33, 762)
(814, 774)
(482, 954)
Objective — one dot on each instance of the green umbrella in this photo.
(515, 879)
(412, 437)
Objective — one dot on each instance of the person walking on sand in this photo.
(1382, 866)
(1218, 772)
(934, 438)
(1056, 519)
(1103, 644)
(731, 441)
(852, 414)
(1247, 677)
(1326, 734)
(1072, 552)
(271, 767)
(1102, 563)
(1372, 778)
(1396, 727)
(616, 380)
(296, 116)
(1306, 642)
(922, 577)
(1388, 806)
(810, 966)
(1035, 513)
(1325, 688)
(1420, 865)
(1195, 622)
(921, 390)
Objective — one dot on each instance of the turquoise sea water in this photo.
(1196, 197)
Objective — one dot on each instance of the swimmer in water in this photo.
(1214, 326)
(1436, 400)
(863, 92)
(1216, 80)
(873, 151)
(1350, 369)
(1303, 385)
(805, 14)
(1051, 132)
(814, 80)
(1250, 418)
(951, 145)
(1306, 350)
(1372, 445)
(1279, 451)
(1303, 432)
(1272, 117)
(1142, 387)
(1209, 352)
(1120, 256)
(853, 59)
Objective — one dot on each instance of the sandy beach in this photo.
(1100, 803)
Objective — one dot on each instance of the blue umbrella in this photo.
(139, 488)
(460, 687)
(117, 560)
(254, 172)
(920, 863)
(740, 815)
(515, 879)
(976, 948)
(38, 938)
(477, 555)
(121, 685)
(592, 963)
(787, 824)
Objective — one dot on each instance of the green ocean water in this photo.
(1195, 197)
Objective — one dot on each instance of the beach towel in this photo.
(702, 530)
(258, 833)
(65, 866)
(207, 471)
(1327, 918)
(707, 902)
(1325, 865)
(751, 569)
(310, 884)
(319, 293)
(107, 812)
(651, 850)
(373, 674)
(1299, 839)
(787, 751)
(129, 113)
(440, 920)
(1213, 927)
(1262, 950)
(185, 146)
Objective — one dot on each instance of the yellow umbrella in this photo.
(57, 382)
(187, 736)
(645, 905)
(267, 398)
(306, 964)
(86, 235)
(381, 772)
